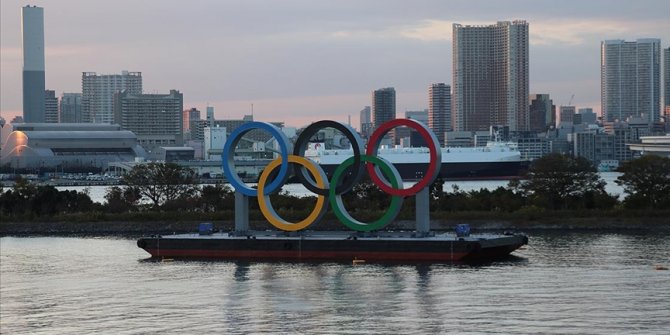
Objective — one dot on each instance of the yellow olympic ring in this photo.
(266, 206)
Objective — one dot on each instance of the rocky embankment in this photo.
(112, 228)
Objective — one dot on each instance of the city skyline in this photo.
(301, 61)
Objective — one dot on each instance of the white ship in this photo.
(497, 160)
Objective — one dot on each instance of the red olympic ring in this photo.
(433, 166)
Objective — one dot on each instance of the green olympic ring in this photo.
(338, 205)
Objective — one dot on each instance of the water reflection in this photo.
(573, 282)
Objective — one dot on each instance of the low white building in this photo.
(652, 145)
(68, 146)
(215, 138)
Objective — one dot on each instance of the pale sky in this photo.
(307, 60)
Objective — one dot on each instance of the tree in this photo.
(216, 197)
(555, 181)
(646, 181)
(161, 182)
(121, 200)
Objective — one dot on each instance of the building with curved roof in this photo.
(68, 147)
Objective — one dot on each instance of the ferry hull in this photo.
(332, 247)
(457, 171)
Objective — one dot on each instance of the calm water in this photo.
(562, 283)
(97, 193)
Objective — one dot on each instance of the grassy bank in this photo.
(102, 224)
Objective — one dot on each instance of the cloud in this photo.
(295, 111)
(424, 30)
(72, 50)
(428, 30)
(542, 32)
(571, 32)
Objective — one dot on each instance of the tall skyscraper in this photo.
(32, 29)
(365, 118)
(439, 110)
(98, 93)
(70, 108)
(630, 79)
(490, 78)
(542, 112)
(156, 119)
(666, 81)
(50, 107)
(383, 106)
(210, 116)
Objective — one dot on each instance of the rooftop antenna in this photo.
(252, 110)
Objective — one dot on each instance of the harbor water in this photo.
(562, 283)
(97, 193)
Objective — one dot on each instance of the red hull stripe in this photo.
(306, 255)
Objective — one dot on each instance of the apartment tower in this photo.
(439, 110)
(490, 78)
(666, 84)
(383, 106)
(50, 107)
(630, 78)
(156, 119)
(69, 109)
(98, 93)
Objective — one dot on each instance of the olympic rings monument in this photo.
(365, 240)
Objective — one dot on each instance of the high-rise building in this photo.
(439, 110)
(541, 112)
(70, 108)
(666, 81)
(566, 115)
(50, 107)
(383, 106)
(490, 78)
(630, 79)
(366, 122)
(188, 115)
(156, 119)
(210, 116)
(98, 93)
(32, 29)
(587, 114)
(192, 124)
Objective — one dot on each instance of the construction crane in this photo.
(571, 98)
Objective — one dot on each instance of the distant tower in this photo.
(630, 77)
(32, 29)
(156, 119)
(566, 115)
(70, 108)
(210, 116)
(587, 115)
(542, 112)
(50, 107)
(383, 106)
(439, 110)
(666, 80)
(366, 121)
(491, 67)
(98, 93)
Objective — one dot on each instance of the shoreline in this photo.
(128, 228)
